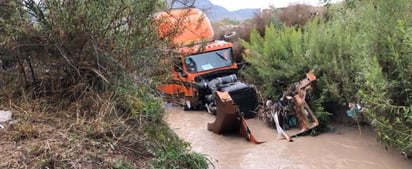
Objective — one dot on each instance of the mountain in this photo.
(216, 12)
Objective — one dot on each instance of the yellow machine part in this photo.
(229, 119)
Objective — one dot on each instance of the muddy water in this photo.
(342, 149)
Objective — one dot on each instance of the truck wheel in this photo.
(211, 109)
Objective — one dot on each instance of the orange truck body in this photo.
(204, 65)
(184, 26)
(182, 84)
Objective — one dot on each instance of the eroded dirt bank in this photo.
(344, 148)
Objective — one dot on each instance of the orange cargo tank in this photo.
(184, 26)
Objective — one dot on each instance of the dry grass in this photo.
(77, 138)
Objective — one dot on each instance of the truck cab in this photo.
(203, 65)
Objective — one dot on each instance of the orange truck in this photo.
(204, 66)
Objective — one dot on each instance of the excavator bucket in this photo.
(229, 119)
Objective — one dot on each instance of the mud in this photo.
(341, 149)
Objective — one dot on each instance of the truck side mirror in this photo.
(178, 65)
(178, 68)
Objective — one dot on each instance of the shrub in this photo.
(360, 54)
(69, 54)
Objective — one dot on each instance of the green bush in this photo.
(279, 59)
(360, 53)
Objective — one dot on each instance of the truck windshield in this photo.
(209, 60)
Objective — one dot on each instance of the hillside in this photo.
(216, 12)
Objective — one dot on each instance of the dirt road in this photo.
(342, 149)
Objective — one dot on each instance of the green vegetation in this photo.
(80, 75)
(173, 154)
(360, 52)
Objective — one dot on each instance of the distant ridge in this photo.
(216, 12)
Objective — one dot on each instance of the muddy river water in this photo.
(345, 148)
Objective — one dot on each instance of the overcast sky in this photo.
(239, 4)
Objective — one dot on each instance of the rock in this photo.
(5, 116)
